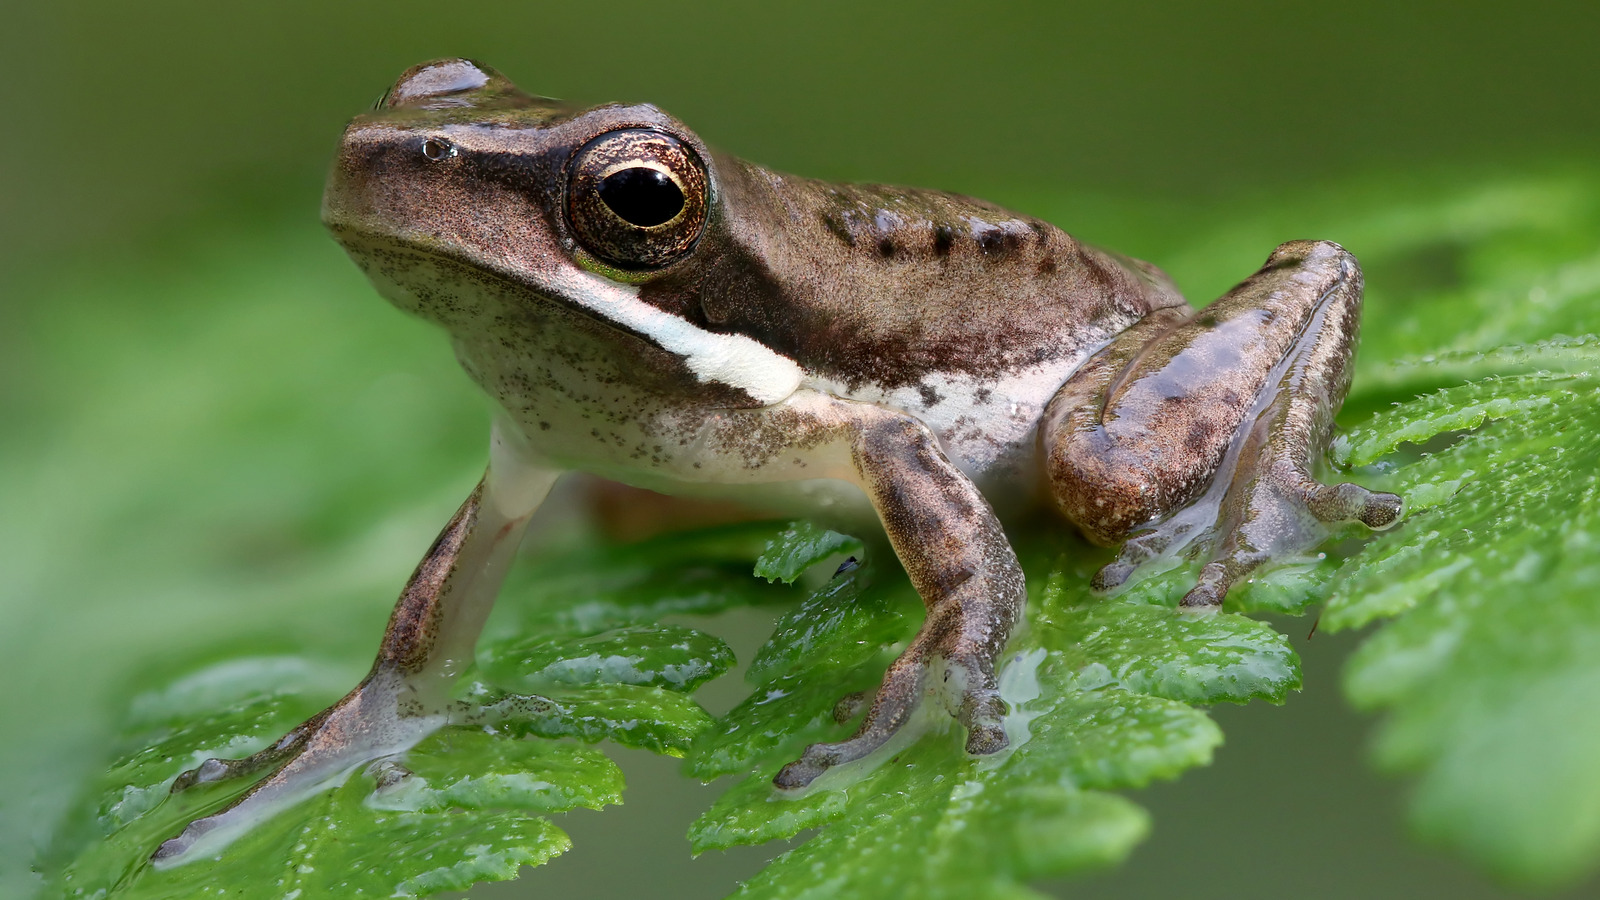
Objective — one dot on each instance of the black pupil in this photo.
(642, 196)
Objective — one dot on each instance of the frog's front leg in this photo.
(406, 696)
(962, 565)
(1206, 427)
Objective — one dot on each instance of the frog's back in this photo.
(882, 288)
(957, 311)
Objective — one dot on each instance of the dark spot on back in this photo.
(1096, 271)
(1198, 439)
(991, 241)
(930, 397)
(944, 237)
(1047, 266)
(886, 247)
(833, 224)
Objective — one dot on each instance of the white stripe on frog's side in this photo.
(731, 359)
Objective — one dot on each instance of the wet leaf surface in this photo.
(468, 809)
(1099, 691)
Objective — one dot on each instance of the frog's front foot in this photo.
(368, 724)
(965, 675)
(406, 696)
(1204, 429)
(217, 769)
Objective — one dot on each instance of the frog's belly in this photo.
(989, 427)
(570, 391)
(991, 435)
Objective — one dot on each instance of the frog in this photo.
(923, 364)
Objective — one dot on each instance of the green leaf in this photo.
(666, 656)
(801, 546)
(462, 802)
(576, 657)
(464, 813)
(838, 617)
(919, 826)
(1136, 646)
(1489, 670)
(836, 642)
(1491, 673)
(636, 716)
(1099, 692)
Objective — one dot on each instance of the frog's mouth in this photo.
(730, 360)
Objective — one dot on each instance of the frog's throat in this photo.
(733, 360)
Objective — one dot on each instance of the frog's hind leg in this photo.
(1206, 427)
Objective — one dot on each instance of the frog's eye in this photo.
(642, 196)
(637, 198)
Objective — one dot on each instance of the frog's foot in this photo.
(966, 676)
(406, 696)
(216, 769)
(1199, 432)
(1140, 549)
(1274, 509)
(1284, 504)
(367, 724)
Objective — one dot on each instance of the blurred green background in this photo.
(215, 436)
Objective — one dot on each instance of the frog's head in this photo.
(458, 178)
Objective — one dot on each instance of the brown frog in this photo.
(647, 309)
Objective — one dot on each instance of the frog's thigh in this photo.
(1232, 404)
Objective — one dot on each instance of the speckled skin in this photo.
(915, 357)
